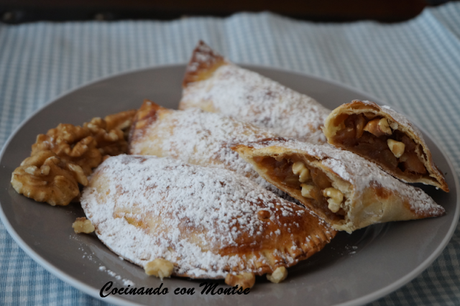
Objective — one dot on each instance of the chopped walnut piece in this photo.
(307, 191)
(244, 280)
(378, 127)
(159, 267)
(109, 142)
(335, 198)
(333, 206)
(278, 275)
(299, 169)
(384, 126)
(72, 144)
(394, 126)
(66, 155)
(396, 147)
(83, 225)
(78, 174)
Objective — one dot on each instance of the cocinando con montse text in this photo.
(208, 288)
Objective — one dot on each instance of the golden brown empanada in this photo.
(385, 137)
(346, 190)
(214, 84)
(207, 222)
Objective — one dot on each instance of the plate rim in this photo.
(67, 278)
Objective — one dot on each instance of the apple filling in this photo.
(306, 182)
(379, 139)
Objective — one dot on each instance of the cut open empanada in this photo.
(201, 222)
(346, 190)
(214, 84)
(385, 137)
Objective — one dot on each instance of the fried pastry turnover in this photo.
(196, 137)
(214, 84)
(201, 222)
(386, 137)
(345, 189)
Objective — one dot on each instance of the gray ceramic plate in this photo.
(352, 269)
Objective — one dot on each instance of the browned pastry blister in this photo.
(345, 189)
(62, 158)
(215, 84)
(201, 222)
(385, 137)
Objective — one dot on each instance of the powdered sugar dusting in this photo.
(250, 97)
(183, 213)
(200, 138)
(126, 282)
